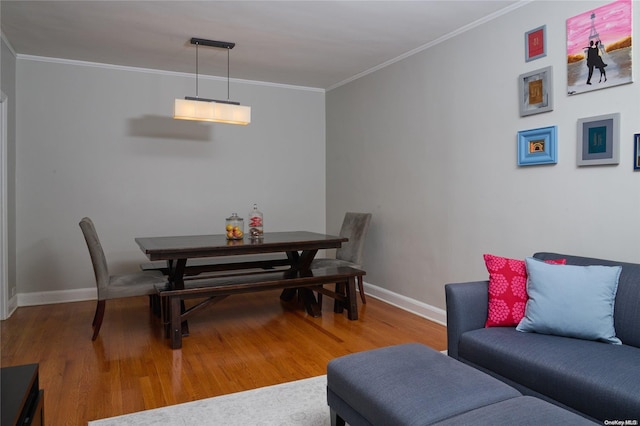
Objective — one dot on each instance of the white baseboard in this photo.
(408, 304)
(60, 296)
(403, 302)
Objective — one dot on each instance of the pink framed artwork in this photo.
(535, 43)
(599, 48)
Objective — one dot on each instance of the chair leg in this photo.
(97, 318)
(361, 289)
(95, 315)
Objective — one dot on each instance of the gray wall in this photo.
(100, 141)
(428, 145)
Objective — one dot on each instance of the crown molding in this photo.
(435, 42)
(162, 72)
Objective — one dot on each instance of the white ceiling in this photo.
(317, 44)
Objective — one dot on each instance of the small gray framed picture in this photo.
(599, 140)
(536, 91)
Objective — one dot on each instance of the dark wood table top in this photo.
(17, 383)
(192, 246)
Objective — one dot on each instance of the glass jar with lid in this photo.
(234, 227)
(256, 224)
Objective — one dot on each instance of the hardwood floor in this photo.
(244, 342)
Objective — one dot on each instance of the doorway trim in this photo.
(4, 209)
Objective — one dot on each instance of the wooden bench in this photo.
(213, 290)
(198, 266)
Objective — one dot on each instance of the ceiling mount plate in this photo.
(212, 43)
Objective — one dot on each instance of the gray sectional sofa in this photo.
(600, 381)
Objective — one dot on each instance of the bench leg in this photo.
(154, 304)
(165, 316)
(175, 323)
(352, 299)
(185, 324)
(338, 306)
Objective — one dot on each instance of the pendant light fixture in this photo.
(218, 111)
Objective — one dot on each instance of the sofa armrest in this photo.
(467, 306)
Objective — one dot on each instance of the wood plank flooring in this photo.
(244, 342)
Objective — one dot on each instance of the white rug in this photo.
(299, 403)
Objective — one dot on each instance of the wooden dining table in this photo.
(300, 248)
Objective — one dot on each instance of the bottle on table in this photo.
(256, 230)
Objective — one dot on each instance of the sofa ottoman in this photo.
(411, 384)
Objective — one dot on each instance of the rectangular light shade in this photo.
(218, 112)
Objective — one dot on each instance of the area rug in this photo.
(299, 403)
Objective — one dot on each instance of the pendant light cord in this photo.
(197, 69)
(228, 47)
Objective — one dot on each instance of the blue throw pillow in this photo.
(571, 301)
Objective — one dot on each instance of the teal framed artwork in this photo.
(599, 140)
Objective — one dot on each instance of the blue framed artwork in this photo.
(538, 146)
(598, 140)
(636, 151)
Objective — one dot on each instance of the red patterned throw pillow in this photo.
(507, 290)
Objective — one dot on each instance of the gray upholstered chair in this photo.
(355, 227)
(114, 286)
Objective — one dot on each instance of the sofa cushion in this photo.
(524, 410)
(572, 301)
(627, 304)
(507, 290)
(595, 378)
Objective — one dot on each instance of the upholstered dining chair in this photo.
(355, 227)
(114, 286)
